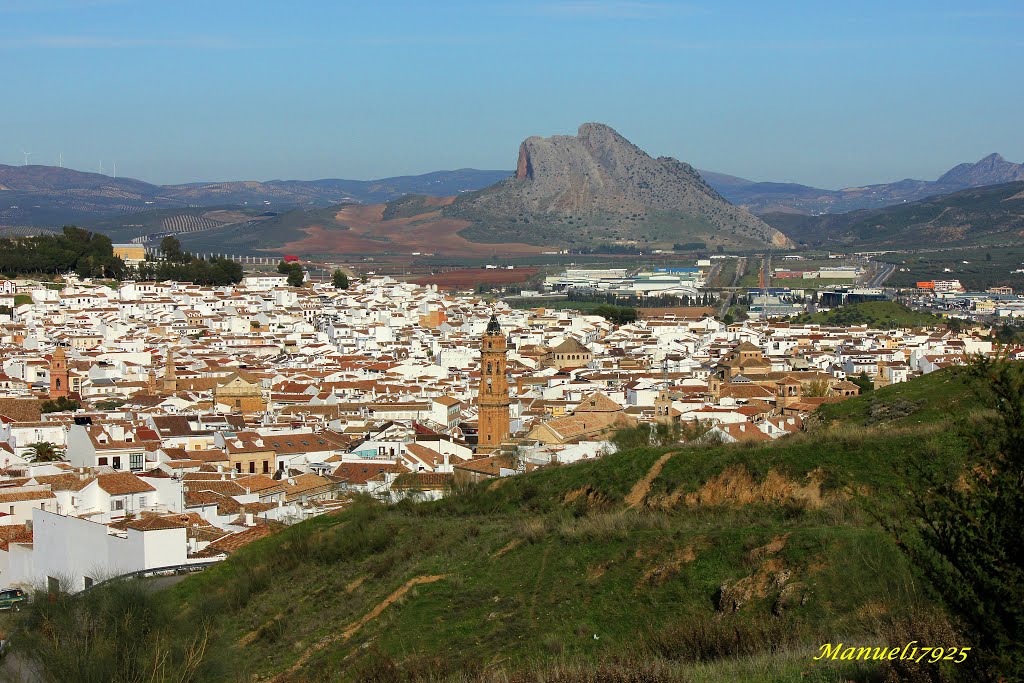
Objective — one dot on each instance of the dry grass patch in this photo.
(736, 486)
(660, 573)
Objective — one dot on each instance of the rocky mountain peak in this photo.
(599, 175)
(990, 170)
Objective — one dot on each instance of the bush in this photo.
(115, 632)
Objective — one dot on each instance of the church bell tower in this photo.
(59, 374)
(492, 397)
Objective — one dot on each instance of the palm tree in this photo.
(44, 451)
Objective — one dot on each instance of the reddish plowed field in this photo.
(426, 232)
(469, 278)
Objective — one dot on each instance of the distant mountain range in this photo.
(51, 196)
(595, 189)
(989, 215)
(765, 197)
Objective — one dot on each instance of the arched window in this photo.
(489, 370)
(58, 382)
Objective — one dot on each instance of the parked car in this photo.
(12, 599)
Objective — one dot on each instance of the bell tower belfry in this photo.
(170, 373)
(492, 397)
(59, 374)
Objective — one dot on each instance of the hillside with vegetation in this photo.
(710, 563)
(879, 314)
(977, 216)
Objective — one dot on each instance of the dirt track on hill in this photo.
(353, 628)
(639, 492)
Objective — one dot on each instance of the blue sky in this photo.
(827, 94)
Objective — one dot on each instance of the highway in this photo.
(878, 278)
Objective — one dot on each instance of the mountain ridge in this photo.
(990, 214)
(50, 195)
(762, 197)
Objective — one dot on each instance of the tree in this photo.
(44, 451)
(294, 272)
(964, 531)
(170, 249)
(339, 279)
(863, 381)
(60, 405)
(620, 315)
(817, 388)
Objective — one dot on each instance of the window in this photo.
(238, 467)
(117, 462)
(252, 467)
(266, 467)
(135, 461)
(116, 504)
(142, 501)
(87, 581)
(101, 461)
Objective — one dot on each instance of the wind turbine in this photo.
(101, 166)
(60, 160)
(115, 169)
(27, 155)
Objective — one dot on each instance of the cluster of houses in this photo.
(166, 424)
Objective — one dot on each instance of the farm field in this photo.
(469, 278)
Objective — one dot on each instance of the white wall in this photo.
(70, 548)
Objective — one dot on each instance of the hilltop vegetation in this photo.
(716, 563)
(879, 314)
(87, 253)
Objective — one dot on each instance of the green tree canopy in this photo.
(340, 279)
(965, 530)
(170, 249)
(60, 405)
(294, 271)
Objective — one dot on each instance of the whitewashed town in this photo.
(155, 425)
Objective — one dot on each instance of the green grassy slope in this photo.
(882, 314)
(554, 569)
(726, 563)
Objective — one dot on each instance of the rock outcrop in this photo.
(599, 178)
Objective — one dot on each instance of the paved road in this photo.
(883, 273)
